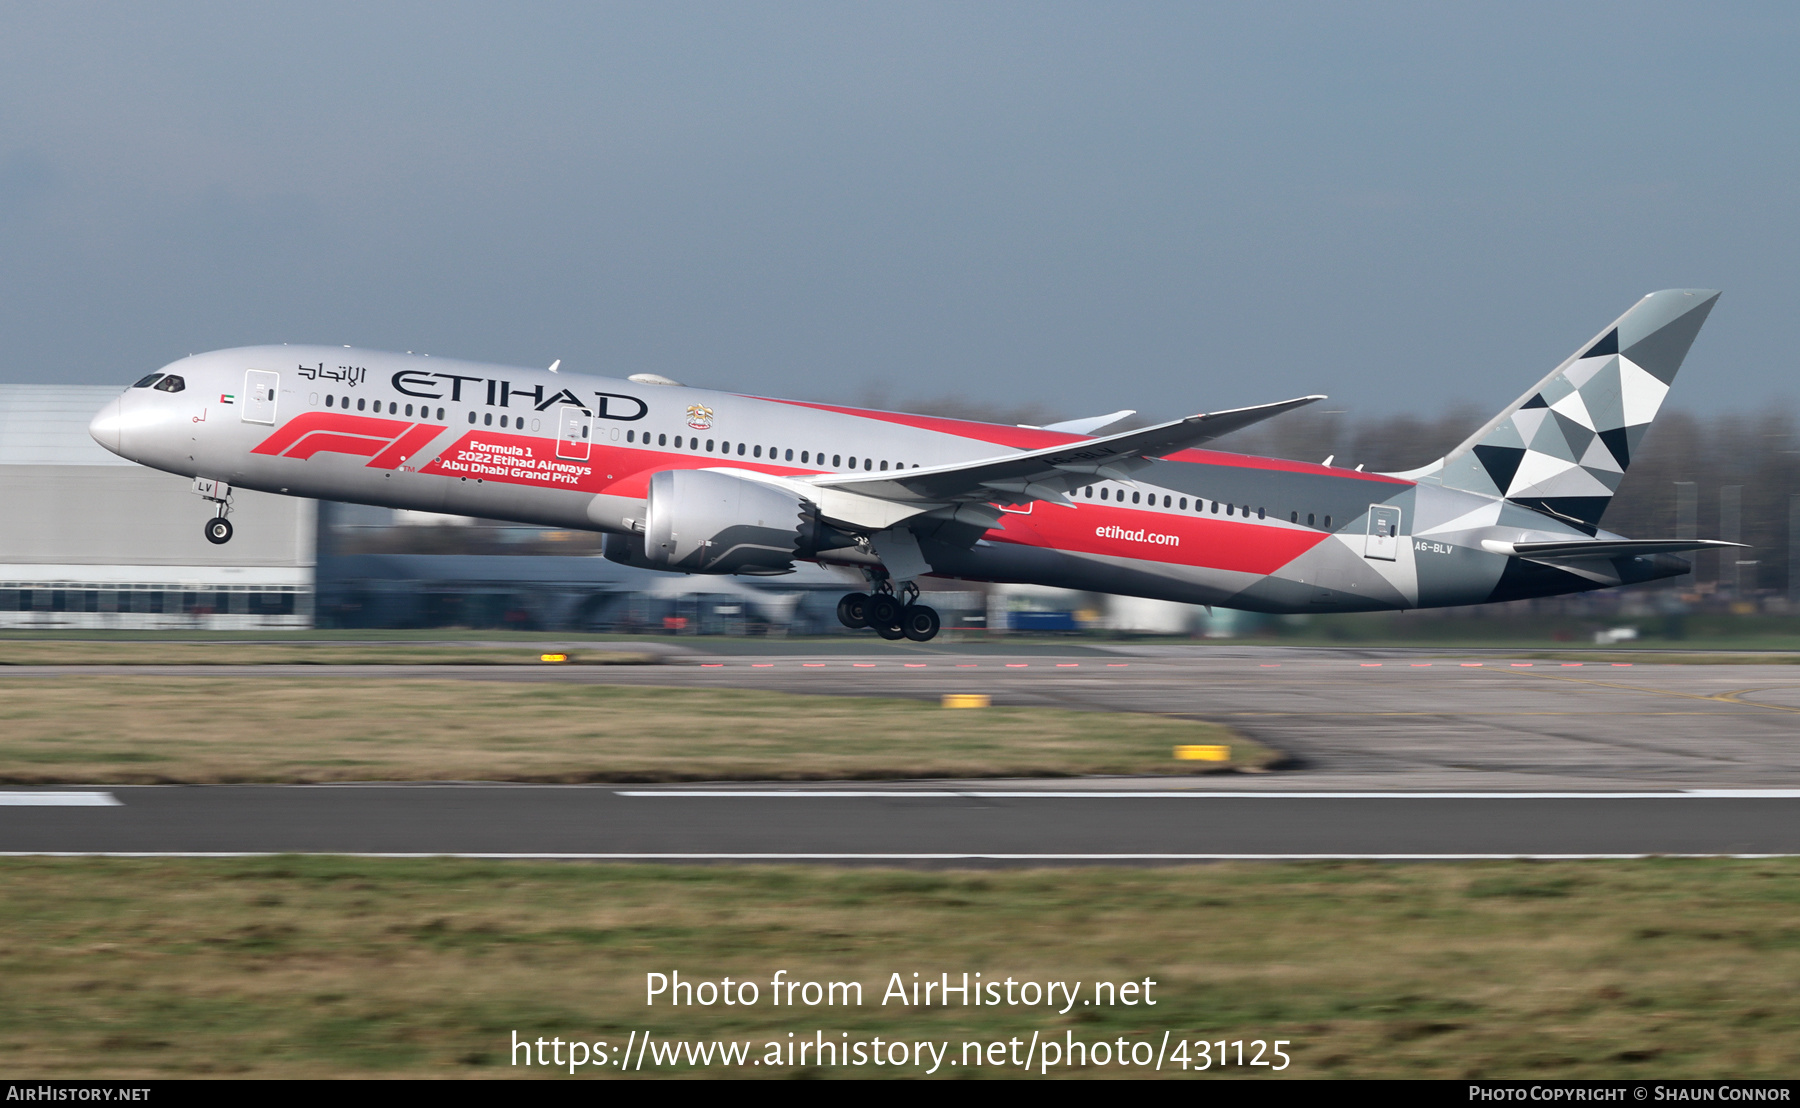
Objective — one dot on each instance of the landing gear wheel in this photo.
(890, 631)
(884, 611)
(853, 610)
(218, 530)
(919, 623)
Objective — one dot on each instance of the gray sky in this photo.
(1166, 207)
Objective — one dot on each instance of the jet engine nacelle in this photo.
(703, 522)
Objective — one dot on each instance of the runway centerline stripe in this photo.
(51, 799)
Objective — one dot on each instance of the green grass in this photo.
(325, 966)
(81, 728)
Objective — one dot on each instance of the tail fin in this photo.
(1563, 447)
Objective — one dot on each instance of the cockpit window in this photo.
(148, 380)
(171, 383)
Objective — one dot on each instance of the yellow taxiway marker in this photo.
(967, 700)
(1203, 753)
(553, 657)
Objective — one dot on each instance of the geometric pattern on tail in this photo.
(1564, 447)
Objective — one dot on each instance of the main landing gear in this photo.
(889, 615)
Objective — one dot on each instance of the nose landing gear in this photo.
(218, 528)
(890, 616)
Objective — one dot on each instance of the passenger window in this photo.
(1229, 509)
(1327, 523)
(171, 383)
(1259, 514)
(1134, 498)
(328, 400)
(1293, 517)
(836, 461)
(867, 463)
(662, 440)
(757, 453)
(393, 407)
(409, 409)
(709, 446)
(146, 381)
(487, 420)
(1184, 503)
(1166, 502)
(1103, 492)
(440, 414)
(790, 455)
(503, 420)
(1090, 492)
(471, 417)
(1309, 519)
(361, 403)
(884, 467)
(803, 455)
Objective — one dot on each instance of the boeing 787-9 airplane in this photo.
(696, 481)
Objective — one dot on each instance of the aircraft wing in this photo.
(1049, 473)
(1608, 548)
(1087, 425)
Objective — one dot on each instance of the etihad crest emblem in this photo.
(700, 417)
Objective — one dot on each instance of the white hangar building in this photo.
(88, 539)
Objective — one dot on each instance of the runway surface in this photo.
(1392, 754)
(921, 825)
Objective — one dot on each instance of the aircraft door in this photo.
(258, 401)
(1384, 533)
(574, 434)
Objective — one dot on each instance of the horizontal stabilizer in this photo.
(1607, 548)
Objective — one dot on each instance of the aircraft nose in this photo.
(108, 425)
